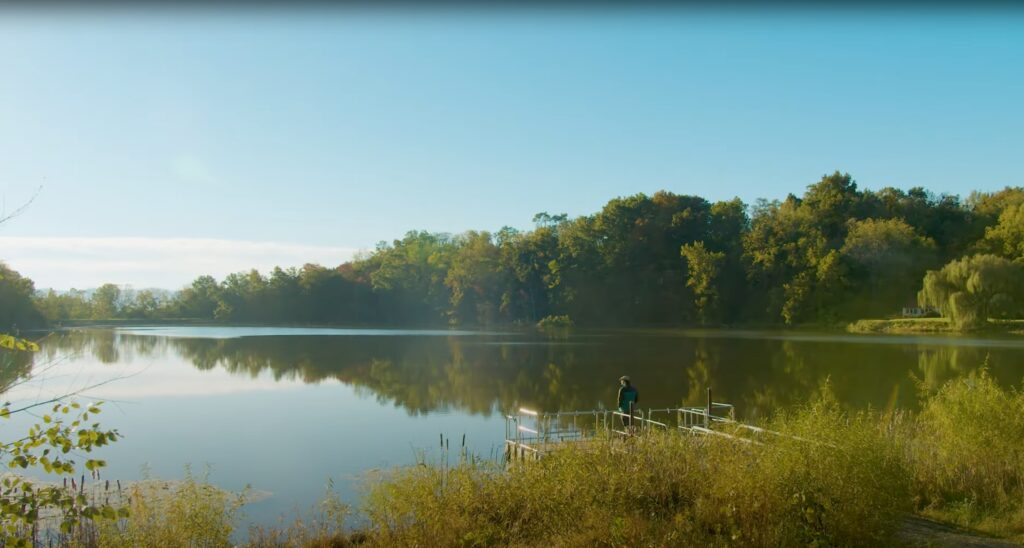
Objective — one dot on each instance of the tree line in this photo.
(834, 254)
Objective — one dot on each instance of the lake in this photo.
(286, 409)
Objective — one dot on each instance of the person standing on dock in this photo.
(629, 397)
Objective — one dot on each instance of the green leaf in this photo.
(11, 342)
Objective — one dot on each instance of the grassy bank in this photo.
(960, 460)
(966, 453)
(932, 325)
(661, 490)
(903, 325)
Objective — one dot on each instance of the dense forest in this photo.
(835, 254)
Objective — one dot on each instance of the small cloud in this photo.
(171, 263)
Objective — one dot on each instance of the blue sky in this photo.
(317, 133)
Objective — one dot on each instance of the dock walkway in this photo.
(531, 434)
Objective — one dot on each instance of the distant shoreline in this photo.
(895, 326)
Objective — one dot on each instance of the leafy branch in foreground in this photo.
(11, 342)
(52, 445)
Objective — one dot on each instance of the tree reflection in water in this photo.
(489, 373)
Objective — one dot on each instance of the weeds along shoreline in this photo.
(959, 460)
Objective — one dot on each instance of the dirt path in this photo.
(918, 531)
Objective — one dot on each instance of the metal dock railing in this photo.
(530, 433)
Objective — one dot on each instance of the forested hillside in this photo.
(836, 253)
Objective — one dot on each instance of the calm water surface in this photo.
(285, 409)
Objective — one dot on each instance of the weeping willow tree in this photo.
(971, 290)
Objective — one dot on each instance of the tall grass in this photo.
(661, 489)
(323, 527)
(192, 514)
(967, 455)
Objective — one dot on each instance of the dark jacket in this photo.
(628, 394)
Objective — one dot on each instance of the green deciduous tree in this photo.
(792, 263)
(703, 271)
(71, 304)
(107, 302)
(530, 258)
(17, 309)
(831, 202)
(200, 299)
(476, 279)
(145, 304)
(413, 270)
(887, 259)
(1006, 238)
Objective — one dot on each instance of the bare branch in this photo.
(4, 217)
(67, 395)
